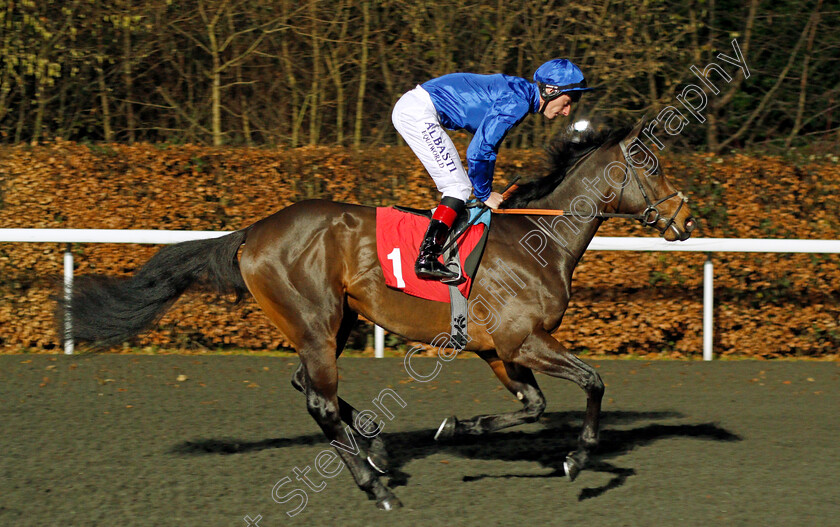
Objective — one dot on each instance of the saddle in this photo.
(399, 231)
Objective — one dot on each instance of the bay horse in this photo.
(312, 268)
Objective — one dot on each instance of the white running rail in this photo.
(599, 243)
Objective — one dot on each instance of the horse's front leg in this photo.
(520, 382)
(541, 352)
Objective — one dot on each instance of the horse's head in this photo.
(643, 192)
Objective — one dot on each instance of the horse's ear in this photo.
(637, 129)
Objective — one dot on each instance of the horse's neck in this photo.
(582, 203)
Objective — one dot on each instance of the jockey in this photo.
(487, 106)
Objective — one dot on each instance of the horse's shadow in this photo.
(547, 447)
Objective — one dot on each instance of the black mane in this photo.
(563, 152)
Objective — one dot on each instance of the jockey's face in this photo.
(560, 106)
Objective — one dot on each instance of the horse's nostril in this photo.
(690, 225)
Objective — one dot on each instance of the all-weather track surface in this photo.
(202, 441)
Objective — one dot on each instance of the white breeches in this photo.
(417, 121)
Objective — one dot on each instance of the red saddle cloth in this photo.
(398, 237)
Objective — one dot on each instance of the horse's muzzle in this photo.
(688, 227)
(674, 231)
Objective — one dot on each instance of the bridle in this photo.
(651, 215)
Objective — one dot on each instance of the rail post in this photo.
(68, 297)
(708, 307)
(378, 342)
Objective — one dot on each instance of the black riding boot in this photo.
(428, 266)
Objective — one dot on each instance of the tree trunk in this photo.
(711, 124)
(360, 97)
(128, 81)
(215, 90)
(340, 103)
(389, 83)
(5, 90)
(712, 133)
(41, 103)
(243, 108)
(315, 86)
(104, 101)
(334, 61)
(297, 107)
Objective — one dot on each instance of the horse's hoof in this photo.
(446, 430)
(379, 463)
(388, 504)
(571, 467)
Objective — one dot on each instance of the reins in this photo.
(650, 216)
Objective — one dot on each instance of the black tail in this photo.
(107, 310)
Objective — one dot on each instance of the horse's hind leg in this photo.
(520, 381)
(314, 338)
(375, 451)
(542, 352)
(322, 403)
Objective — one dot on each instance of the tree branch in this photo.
(744, 127)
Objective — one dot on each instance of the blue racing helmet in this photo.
(559, 76)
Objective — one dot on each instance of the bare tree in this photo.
(222, 23)
(317, 72)
(803, 79)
